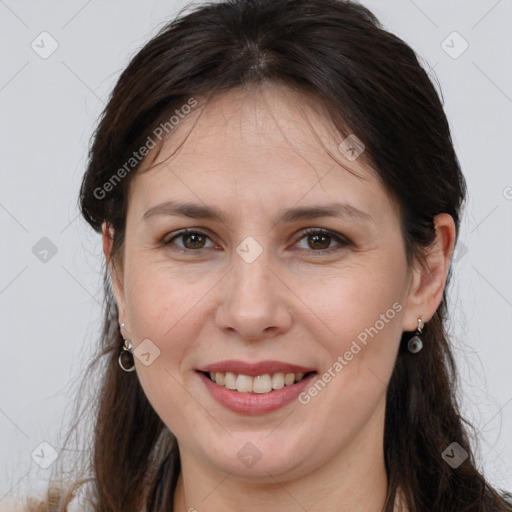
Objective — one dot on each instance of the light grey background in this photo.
(48, 108)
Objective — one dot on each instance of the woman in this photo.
(279, 200)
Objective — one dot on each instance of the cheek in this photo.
(162, 299)
(362, 308)
(165, 309)
(358, 301)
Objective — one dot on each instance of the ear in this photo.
(428, 281)
(115, 273)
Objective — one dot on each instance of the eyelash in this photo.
(308, 231)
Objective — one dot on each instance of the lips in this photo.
(255, 369)
(255, 403)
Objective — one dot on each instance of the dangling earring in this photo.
(415, 344)
(125, 358)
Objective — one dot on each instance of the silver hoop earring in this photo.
(415, 344)
(125, 358)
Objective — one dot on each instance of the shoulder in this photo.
(11, 506)
(33, 506)
(34, 503)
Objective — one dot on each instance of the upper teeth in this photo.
(260, 384)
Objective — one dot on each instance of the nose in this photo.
(254, 300)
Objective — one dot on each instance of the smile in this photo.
(255, 395)
(258, 384)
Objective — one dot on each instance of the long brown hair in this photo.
(373, 86)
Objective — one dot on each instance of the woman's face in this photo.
(252, 286)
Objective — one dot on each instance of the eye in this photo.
(196, 240)
(319, 240)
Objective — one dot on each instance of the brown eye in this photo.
(191, 240)
(196, 240)
(319, 241)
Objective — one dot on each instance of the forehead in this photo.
(269, 117)
(268, 143)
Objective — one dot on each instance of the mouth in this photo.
(259, 384)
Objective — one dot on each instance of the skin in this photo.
(251, 154)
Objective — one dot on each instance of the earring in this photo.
(125, 358)
(415, 344)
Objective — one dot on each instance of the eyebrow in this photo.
(199, 211)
